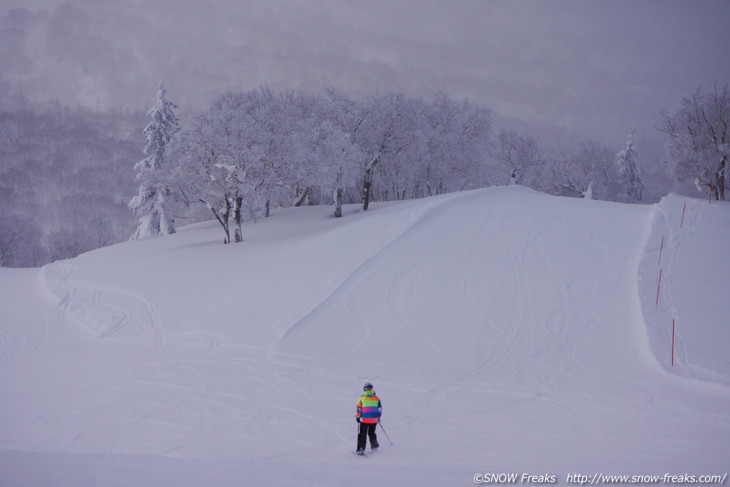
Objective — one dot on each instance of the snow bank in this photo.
(688, 245)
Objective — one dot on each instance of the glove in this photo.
(357, 419)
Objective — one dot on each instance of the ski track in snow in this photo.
(398, 229)
(101, 311)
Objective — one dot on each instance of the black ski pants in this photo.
(367, 430)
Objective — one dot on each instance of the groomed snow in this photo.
(505, 331)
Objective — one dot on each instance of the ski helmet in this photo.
(367, 386)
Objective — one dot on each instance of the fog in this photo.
(596, 68)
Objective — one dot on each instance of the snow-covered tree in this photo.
(585, 171)
(334, 161)
(246, 152)
(297, 156)
(699, 140)
(387, 130)
(260, 149)
(153, 202)
(521, 154)
(629, 176)
(217, 162)
(346, 117)
(455, 147)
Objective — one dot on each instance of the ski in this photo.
(365, 453)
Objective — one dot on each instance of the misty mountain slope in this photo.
(502, 328)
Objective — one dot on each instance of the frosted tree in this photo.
(152, 204)
(521, 154)
(256, 149)
(699, 140)
(345, 116)
(218, 159)
(454, 148)
(307, 153)
(585, 171)
(290, 128)
(333, 159)
(242, 153)
(406, 147)
(629, 177)
(387, 130)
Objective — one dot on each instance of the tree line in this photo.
(67, 175)
(256, 150)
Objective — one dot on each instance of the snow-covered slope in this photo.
(688, 244)
(505, 331)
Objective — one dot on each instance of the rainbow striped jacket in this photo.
(369, 407)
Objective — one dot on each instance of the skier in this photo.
(369, 410)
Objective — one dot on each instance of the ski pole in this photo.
(386, 433)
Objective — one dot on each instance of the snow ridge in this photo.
(400, 227)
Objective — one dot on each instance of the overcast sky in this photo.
(596, 67)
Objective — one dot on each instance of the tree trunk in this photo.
(222, 218)
(366, 185)
(338, 203)
(429, 190)
(167, 226)
(720, 180)
(238, 233)
(301, 198)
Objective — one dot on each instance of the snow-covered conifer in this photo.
(152, 203)
(628, 172)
